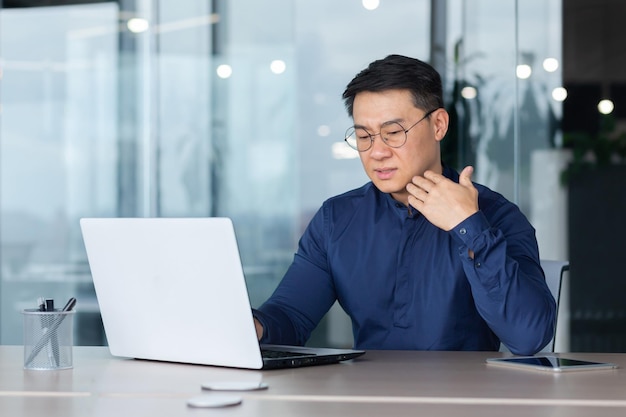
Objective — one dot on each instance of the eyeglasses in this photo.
(392, 133)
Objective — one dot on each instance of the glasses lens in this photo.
(358, 139)
(393, 134)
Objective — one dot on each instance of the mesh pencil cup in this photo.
(48, 339)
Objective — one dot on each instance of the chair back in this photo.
(553, 271)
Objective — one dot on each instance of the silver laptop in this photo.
(173, 289)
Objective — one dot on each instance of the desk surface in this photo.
(381, 382)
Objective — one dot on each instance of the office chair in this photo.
(553, 271)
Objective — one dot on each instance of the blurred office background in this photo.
(192, 108)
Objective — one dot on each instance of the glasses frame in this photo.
(372, 136)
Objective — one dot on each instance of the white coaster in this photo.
(213, 401)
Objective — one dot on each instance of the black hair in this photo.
(397, 72)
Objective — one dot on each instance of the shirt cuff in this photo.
(469, 231)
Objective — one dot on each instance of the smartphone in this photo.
(550, 363)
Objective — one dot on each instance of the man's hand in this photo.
(442, 201)
(259, 329)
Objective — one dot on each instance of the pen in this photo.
(45, 338)
(53, 346)
(70, 304)
(45, 304)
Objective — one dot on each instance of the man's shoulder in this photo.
(363, 201)
(367, 190)
(488, 198)
(499, 210)
(341, 209)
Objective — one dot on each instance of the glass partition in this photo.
(59, 153)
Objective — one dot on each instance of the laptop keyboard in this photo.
(276, 354)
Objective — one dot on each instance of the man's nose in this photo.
(379, 147)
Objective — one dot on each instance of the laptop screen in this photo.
(172, 289)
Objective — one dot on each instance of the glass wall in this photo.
(233, 108)
(59, 150)
(505, 79)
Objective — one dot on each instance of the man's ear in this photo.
(439, 120)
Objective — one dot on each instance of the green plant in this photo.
(590, 152)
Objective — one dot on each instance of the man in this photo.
(420, 257)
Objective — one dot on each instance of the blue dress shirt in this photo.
(406, 284)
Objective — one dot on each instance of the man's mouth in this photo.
(385, 173)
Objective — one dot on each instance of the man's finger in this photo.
(433, 176)
(465, 178)
(422, 182)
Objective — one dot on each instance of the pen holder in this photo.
(48, 339)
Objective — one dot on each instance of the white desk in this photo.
(378, 384)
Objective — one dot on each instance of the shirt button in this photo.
(398, 205)
(463, 231)
(478, 264)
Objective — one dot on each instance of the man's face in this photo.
(391, 169)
